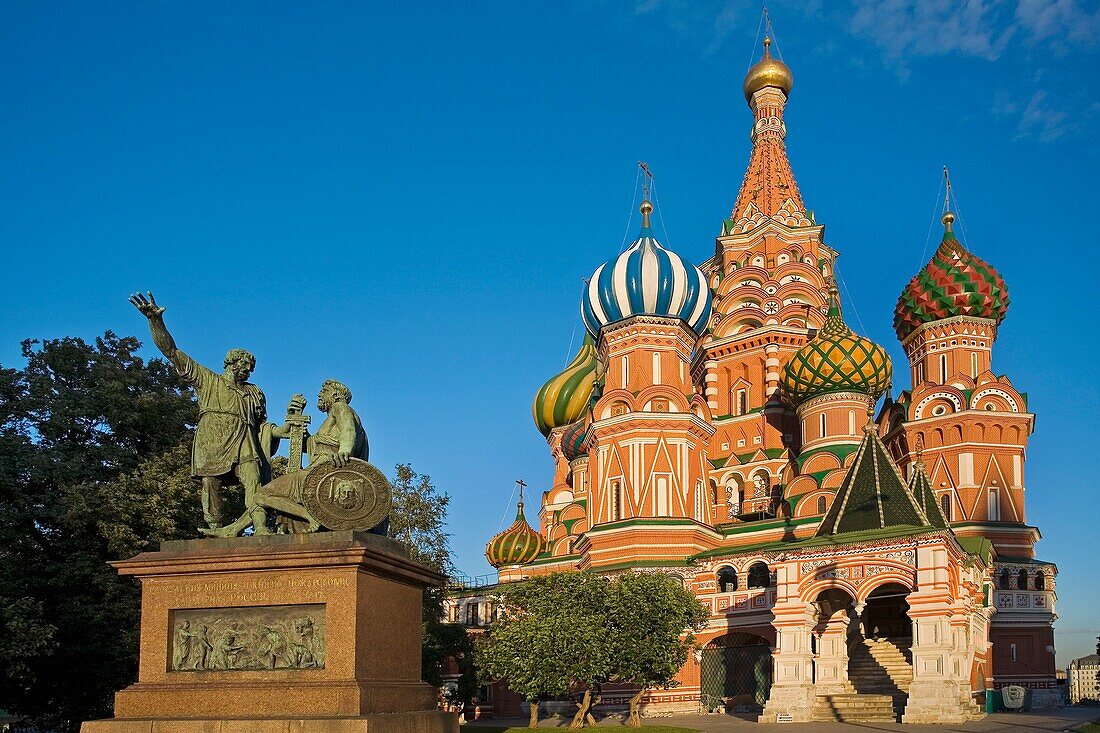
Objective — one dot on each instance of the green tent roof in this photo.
(921, 489)
(873, 495)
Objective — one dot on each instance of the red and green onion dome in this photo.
(564, 398)
(836, 360)
(954, 283)
(517, 545)
(572, 441)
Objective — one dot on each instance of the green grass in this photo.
(1093, 727)
(644, 729)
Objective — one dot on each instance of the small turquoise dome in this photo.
(646, 279)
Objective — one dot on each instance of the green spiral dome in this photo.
(836, 360)
(564, 397)
(517, 545)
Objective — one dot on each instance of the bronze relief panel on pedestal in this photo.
(257, 638)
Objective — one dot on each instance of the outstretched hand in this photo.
(147, 306)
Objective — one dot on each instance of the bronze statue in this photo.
(234, 444)
(339, 439)
(230, 438)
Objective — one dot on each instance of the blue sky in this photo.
(406, 197)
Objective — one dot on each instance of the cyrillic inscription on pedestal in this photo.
(260, 637)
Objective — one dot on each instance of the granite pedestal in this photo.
(293, 633)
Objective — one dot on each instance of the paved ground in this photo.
(1060, 720)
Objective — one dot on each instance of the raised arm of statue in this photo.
(148, 307)
(188, 368)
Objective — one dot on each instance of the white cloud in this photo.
(906, 28)
(1044, 29)
(1041, 121)
(1060, 21)
(981, 28)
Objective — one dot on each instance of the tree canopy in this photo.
(419, 519)
(647, 615)
(568, 632)
(94, 468)
(547, 639)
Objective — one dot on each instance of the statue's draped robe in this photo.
(231, 419)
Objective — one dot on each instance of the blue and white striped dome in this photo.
(646, 279)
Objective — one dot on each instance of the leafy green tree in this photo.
(444, 642)
(647, 617)
(93, 468)
(577, 631)
(549, 640)
(419, 519)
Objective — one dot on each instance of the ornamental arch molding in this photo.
(895, 576)
(815, 587)
(976, 401)
(918, 413)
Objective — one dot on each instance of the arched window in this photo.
(1005, 582)
(1040, 581)
(616, 500)
(945, 505)
(758, 575)
(994, 507)
(943, 368)
(821, 504)
(727, 579)
(1021, 579)
(823, 425)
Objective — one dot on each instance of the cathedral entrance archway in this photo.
(736, 672)
(886, 613)
(880, 661)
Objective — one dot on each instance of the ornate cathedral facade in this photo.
(719, 424)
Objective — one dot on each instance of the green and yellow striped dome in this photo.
(517, 545)
(563, 399)
(837, 360)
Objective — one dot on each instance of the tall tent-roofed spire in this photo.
(769, 190)
(873, 495)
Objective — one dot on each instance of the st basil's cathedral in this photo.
(718, 424)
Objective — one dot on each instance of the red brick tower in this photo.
(973, 426)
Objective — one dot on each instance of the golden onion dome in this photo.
(517, 545)
(836, 360)
(768, 72)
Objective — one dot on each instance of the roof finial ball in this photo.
(948, 220)
(646, 208)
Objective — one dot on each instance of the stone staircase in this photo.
(879, 673)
